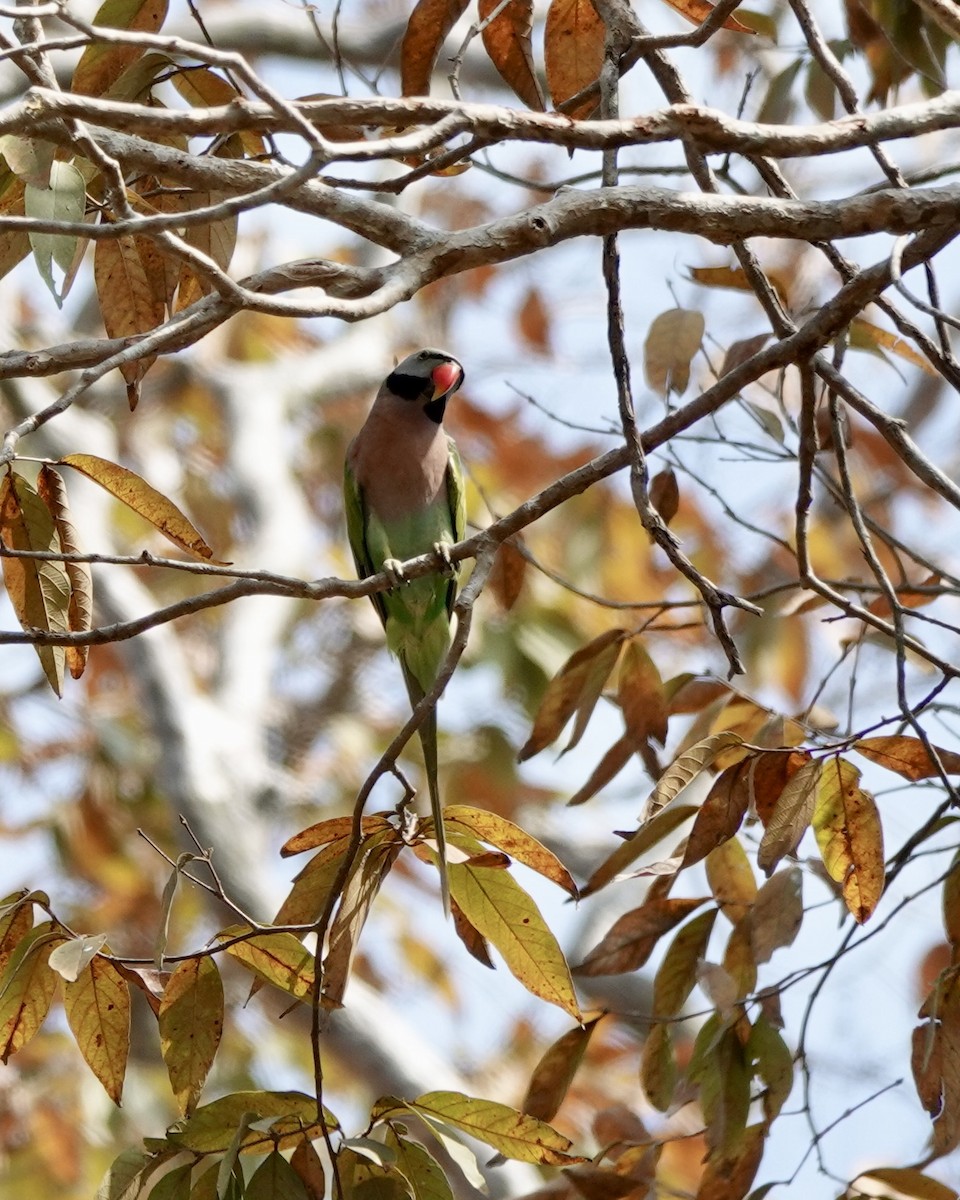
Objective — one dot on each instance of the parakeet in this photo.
(404, 495)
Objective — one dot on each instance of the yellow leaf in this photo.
(191, 1021)
(277, 958)
(53, 493)
(506, 39)
(27, 989)
(512, 840)
(573, 52)
(672, 341)
(38, 591)
(137, 494)
(101, 65)
(512, 1133)
(910, 1181)
(736, 278)
(495, 905)
(731, 878)
(213, 1127)
(14, 243)
(847, 827)
(97, 1008)
(426, 31)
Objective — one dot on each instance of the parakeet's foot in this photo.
(393, 568)
(442, 551)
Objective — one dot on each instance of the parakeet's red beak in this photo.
(445, 378)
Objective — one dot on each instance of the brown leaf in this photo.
(101, 65)
(631, 939)
(673, 339)
(509, 573)
(474, 941)
(769, 774)
(630, 850)
(576, 686)
(533, 321)
(640, 694)
(612, 763)
(330, 830)
(742, 350)
(736, 278)
(204, 88)
(507, 41)
(39, 591)
(729, 1176)
(697, 11)
(137, 494)
(907, 756)
(554, 1073)
(936, 1061)
(777, 913)
(864, 335)
(426, 31)
(309, 1166)
(573, 52)
(790, 817)
(665, 494)
(51, 490)
(126, 293)
(720, 815)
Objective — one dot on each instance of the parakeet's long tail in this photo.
(428, 741)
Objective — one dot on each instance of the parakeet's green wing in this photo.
(457, 496)
(356, 525)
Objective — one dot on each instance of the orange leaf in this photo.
(101, 65)
(533, 321)
(507, 40)
(509, 573)
(665, 494)
(697, 11)
(573, 52)
(907, 756)
(427, 29)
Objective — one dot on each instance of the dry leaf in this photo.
(573, 52)
(507, 41)
(674, 338)
(426, 31)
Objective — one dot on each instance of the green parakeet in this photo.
(404, 495)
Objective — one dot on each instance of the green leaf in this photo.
(420, 1169)
(191, 1022)
(511, 839)
(275, 1179)
(677, 974)
(212, 1128)
(63, 200)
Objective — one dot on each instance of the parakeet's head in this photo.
(427, 378)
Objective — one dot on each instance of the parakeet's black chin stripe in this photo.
(407, 387)
(436, 408)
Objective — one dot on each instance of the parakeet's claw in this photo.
(442, 551)
(393, 569)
